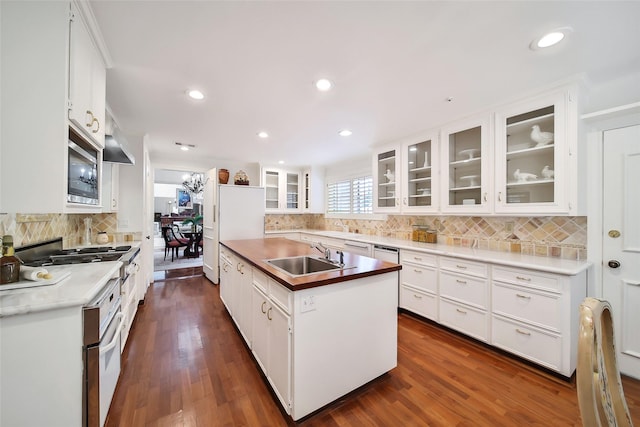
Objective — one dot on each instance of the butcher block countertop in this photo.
(257, 251)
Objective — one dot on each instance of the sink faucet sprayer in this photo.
(319, 246)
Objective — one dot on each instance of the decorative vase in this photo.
(102, 237)
(223, 176)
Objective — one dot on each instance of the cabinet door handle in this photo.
(415, 270)
(262, 307)
(461, 311)
(485, 197)
(95, 121)
(238, 267)
(521, 332)
(405, 201)
(416, 296)
(269, 313)
(526, 279)
(90, 118)
(462, 282)
(523, 296)
(500, 196)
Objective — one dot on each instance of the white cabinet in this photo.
(313, 190)
(386, 186)
(282, 190)
(535, 315)
(226, 278)
(466, 162)
(34, 81)
(464, 296)
(419, 176)
(419, 283)
(271, 334)
(534, 162)
(110, 186)
(87, 81)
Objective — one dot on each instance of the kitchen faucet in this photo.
(319, 246)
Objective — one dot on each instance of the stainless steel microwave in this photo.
(82, 174)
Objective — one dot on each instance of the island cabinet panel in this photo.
(226, 278)
(259, 326)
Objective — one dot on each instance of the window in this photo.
(354, 196)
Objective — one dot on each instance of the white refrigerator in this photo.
(230, 212)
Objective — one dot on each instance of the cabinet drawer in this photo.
(463, 266)
(467, 289)
(529, 278)
(419, 302)
(280, 295)
(527, 305)
(465, 319)
(418, 258)
(260, 280)
(419, 277)
(544, 348)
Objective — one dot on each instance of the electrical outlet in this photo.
(308, 304)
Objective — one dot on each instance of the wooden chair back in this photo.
(599, 386)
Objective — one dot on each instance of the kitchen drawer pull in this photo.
(523, 296)
(238, 267)
(415, 270)
(526, 279)
(262, 307)
(417, 258)
(269, 313)
(462, 282)
(461, 311)
(416, 296)
(463, 267)
(521, 332)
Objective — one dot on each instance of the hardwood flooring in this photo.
(186, 365)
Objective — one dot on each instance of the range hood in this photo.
(116, 150)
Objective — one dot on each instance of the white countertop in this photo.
(82, 285)
(548, 264)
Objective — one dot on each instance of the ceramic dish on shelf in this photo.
(424, 191)
(471, 179)
(470, 153)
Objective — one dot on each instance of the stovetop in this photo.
(51, 253)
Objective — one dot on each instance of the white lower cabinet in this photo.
(530, 313)
(419, 283)
(535, 315)
(464, 296)
(226, 279)
(271, 334)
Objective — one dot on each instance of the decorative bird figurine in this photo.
(389, 175)
(523, 176)
(547, 173)
(541, 138)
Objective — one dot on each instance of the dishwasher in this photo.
(357, 248)
(386, 253)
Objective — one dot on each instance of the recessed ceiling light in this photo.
(345, 132)
(263, 134)
(550, 39)
(185, 147)
(195, 94)
(324, 85)
(281, 162)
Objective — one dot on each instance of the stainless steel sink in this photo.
(301, 265)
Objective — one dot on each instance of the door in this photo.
(621, 241)
(210, 256)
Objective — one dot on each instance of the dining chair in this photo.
(171, 242)
(600, 394)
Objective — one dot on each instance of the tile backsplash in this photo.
(31, 228)
(559, 237)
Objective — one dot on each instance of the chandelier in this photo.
(195, 184)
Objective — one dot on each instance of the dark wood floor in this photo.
(186, 365)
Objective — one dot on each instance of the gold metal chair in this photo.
(599, 386)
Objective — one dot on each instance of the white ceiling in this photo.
(394, 64)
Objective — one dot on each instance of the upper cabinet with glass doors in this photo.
(419, 176)
(386, 186)
(466, 177)
(532, 157)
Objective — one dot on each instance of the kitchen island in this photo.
(316, 336)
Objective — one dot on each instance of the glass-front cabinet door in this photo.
(292, 187)
(530, 140)
(386, 167)
(419, 178)
(466, 159)
(272, 189)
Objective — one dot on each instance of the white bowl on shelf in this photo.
(472, 180)
(470, 153)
